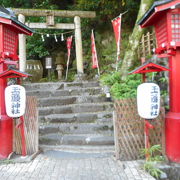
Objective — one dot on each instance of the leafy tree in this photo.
(107, 10)
(130, 55)
(16, 4)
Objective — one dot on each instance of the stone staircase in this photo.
(73, 114)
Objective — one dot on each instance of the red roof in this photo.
(12, 73)
(7, 17)
(148, 67)
(157, 11)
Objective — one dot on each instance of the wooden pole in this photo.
(22, 47)
(116, 136)
(67, 67)
(23, 139)
(78, 40)
(143, 46)
(149, 43)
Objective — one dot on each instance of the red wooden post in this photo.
(6, 124)
(173, 116)
(24, 152)
(165, 17)
(147, 127)
(10, 27)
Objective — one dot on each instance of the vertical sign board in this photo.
(148, 100)
(15, 100)
(48, 62)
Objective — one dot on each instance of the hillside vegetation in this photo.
(104, 36)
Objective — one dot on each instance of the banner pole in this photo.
(98, 70)
(118, 45)
(67, 68)
(120, 15)
(124, 13)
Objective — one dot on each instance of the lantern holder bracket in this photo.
(171, 51)
(7, 55)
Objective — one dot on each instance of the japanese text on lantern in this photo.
(15, 99)
(154, 100)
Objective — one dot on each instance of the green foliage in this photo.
(71, 75)
(51, 78)
(44, 4)
(35, 47)
(163, 81)
(155, 156)
(16, 4)
(152, 170)
(122, 88)
(154, 152)
(111, 79)
(6, 161)
(107, 10)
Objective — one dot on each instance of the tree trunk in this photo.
(131, 53)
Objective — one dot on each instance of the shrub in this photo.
(122, 88)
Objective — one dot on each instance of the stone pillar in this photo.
(60, 69)
(78, 42)
(22, 46)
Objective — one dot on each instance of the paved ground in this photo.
(59, 165)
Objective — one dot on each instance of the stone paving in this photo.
(58, 165)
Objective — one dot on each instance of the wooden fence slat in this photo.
(129, 127)
(146, 45)
(31, 128)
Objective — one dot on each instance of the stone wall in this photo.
(35, 68)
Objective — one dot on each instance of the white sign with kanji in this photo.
(148, 100)
(15, 100)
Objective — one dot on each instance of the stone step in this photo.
(70, 92)
(88, 117)
(44, 86)
(60, 85)
(80, 148)
(83, 84)
(73, 114)
(76, 108)
(76, 128)
(73, 139)
(58, 101)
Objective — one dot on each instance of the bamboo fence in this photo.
(31, 129)
(146, 45)
(129, 130)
